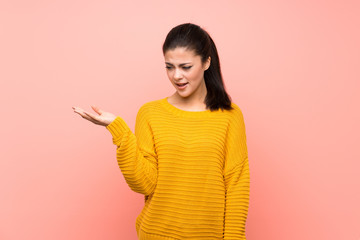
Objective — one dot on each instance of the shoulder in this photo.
(235, 118)
(150, 104)
(236, 112)
(149, 107)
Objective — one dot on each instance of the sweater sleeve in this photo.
(135, 153)
(237, 179)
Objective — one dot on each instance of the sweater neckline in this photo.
(185, 113)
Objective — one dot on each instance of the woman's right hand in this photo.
(103, 118)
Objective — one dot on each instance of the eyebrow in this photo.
(182, 64)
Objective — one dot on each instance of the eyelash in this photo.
(186, 68)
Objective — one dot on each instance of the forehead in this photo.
(181, 54)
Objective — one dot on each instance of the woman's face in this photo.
(184, 67)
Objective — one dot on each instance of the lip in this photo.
(183, 87)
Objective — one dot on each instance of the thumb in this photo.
(96, 109)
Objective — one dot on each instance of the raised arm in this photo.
(135, 153)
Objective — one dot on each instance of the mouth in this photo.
(182, 84)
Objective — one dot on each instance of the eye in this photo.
(185, 68)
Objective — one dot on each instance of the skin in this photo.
(185, 66)
(181, 66)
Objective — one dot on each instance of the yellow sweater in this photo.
(192, 168)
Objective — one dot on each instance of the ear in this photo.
(207, 63)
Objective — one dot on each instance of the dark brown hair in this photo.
(193, 37)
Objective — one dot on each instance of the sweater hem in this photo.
(151, 236)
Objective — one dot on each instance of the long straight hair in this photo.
(193, 37)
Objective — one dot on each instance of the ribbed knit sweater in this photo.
(192, 168)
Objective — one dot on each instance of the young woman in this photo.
(188, 156)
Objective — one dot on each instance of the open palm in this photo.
(103, 118)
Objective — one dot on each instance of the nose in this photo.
(178, 74)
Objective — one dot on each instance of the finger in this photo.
(84, 116)
(82, 113)
(78, 109)
(87, 116)
(91, 116)
(97, 110)
(93, 119)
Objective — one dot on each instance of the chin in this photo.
(184, 95)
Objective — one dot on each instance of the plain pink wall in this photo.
(291, 66)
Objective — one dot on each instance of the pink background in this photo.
(291, 66)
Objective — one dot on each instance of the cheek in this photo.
(195, 75)
(168, 73)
